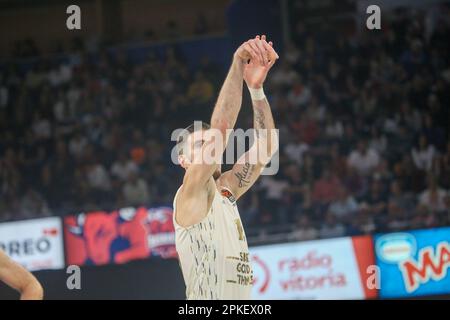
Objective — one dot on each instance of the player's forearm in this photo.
(264, 125)
(230, 98)
(262, 115)
(20, 279)
(223, 118)
(32, 291)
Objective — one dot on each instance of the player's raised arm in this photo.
(249, 167)
(18, 278)
(224, 116)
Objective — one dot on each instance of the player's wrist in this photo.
(256, 92)
(238, 59)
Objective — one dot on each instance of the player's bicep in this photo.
(191, 208)
(204, 162)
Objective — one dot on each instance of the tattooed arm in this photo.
(223, 118)
(250, 165)
(193, 201)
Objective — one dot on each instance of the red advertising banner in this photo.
(97, 238)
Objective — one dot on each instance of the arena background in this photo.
(86, 117)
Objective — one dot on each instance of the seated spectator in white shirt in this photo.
(135, 191)
(98, 177)
(77, 145)
(276, 188)
(295, 150)
(364, 160)
(424, 154)
(434, 198)
(123, 167)
(334, 128)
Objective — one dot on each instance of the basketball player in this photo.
(210, 239)
(17, 277)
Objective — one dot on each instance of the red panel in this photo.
(365, 257)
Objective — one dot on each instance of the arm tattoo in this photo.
(244, 175)
(260, 119)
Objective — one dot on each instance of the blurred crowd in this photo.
(363, 119)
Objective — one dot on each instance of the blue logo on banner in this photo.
(414, 263)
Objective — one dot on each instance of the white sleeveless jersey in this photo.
(213, 253)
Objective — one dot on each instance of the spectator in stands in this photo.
(307, 128)
(33, 205)
(137, 147)
(423, 154)
(77, 145)
(295, 150)
(98, 179)
(400, 200)
(326, 189)
(283, 76)
(275, 188)
(201, 90)
(433, 198)
(345, 207)
(123, 167)
(135, 191)
(378, 141)
(331, 228)
(363, 159)
(304, 230)
(376, 198)
(334, 128)
(42, 128)
(366, 220)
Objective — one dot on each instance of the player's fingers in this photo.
(269, 47)
(266, 46)
(256, 50)
(251, 51)
(271, 51)
(262, 50)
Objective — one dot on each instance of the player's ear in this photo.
(183, 161)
